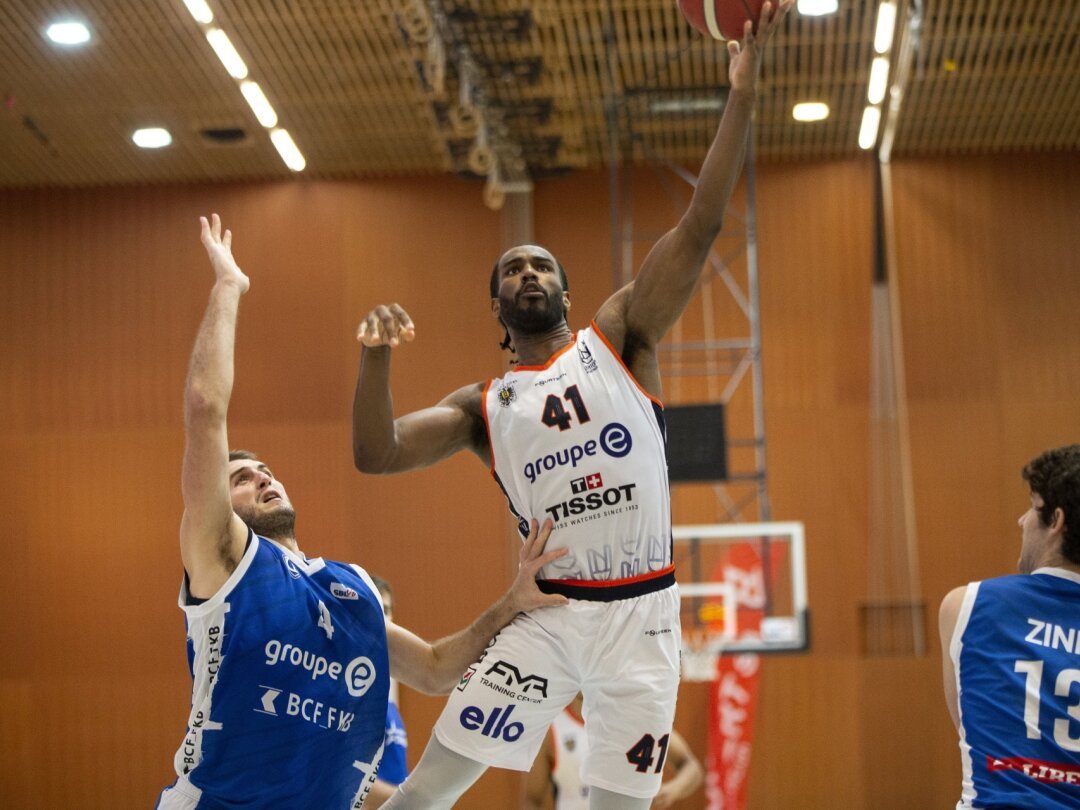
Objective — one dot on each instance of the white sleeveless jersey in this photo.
(568, 747)
(578, 440)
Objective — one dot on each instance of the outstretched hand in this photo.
(746, 57)
(524, 594)
(386, 325)
(219, 248)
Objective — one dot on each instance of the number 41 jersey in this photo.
(1016, 654)
(577, 440)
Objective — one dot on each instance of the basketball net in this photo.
(700, 655)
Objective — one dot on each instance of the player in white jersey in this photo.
(290, 656)
(555, 780)
(573, 433)
(1011, 656)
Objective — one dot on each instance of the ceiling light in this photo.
(283, 142)
(151, 137)
(684, 105)
(879, 80)
(68, 32)
(817, 8)
(886, 22)
(258, 103)
(871, 118)
(810, 111)
(200, 11)
(225, 51)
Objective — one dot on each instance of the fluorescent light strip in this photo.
(879, 80)
(200, 11)
(225, 51)
(283, 142)
(258, 103)
(886, 23)
(871, 119)
(151, 137)
(682, 105)
(810, 111)
(817, 8)
(69, 32)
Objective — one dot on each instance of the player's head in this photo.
(258, 498)
(386, 593)
(529, 290)
(1054, 479)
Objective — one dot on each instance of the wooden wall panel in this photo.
(103, 291)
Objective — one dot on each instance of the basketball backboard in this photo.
(743, 589)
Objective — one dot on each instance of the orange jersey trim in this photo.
(550, 360)
(487, 425)
(618, 357)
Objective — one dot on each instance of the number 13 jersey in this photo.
(577, 440)
(1016, 654)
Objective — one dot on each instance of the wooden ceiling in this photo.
(375, 87)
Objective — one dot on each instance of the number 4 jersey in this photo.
(577, 440)
(1016, 653)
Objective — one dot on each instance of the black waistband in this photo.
(606, 593)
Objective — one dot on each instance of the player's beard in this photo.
(532, 320)
(277, 525)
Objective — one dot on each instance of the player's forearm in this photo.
(451, 655)
(373, 412)
(210, 373)
(722, 167)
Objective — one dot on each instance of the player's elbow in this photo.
(368, 459)
(703, 226)
(201, 404)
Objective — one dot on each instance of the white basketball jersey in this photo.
(578, 440)
(569, 745)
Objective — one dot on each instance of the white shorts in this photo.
(623, 656)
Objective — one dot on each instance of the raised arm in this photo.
(382, 444)
(211, 535)
(435, 668)
(643, 312)
(947, 616)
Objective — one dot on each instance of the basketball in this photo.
(721, 19)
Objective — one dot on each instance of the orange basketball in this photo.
(721, 19)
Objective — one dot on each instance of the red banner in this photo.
(733, 696)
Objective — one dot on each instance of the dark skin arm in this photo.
(636, 318)
(382, 444)
(538, 788)
(683, 770)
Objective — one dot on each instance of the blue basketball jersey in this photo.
(1016, 652)
(290, 684)
(394, 767)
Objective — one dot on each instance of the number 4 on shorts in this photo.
(641, 755)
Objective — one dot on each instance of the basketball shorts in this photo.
(623, 656)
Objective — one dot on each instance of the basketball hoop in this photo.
(700, 653)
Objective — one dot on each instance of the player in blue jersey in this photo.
(573, 433)
(1011, 656)
(291, 656)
